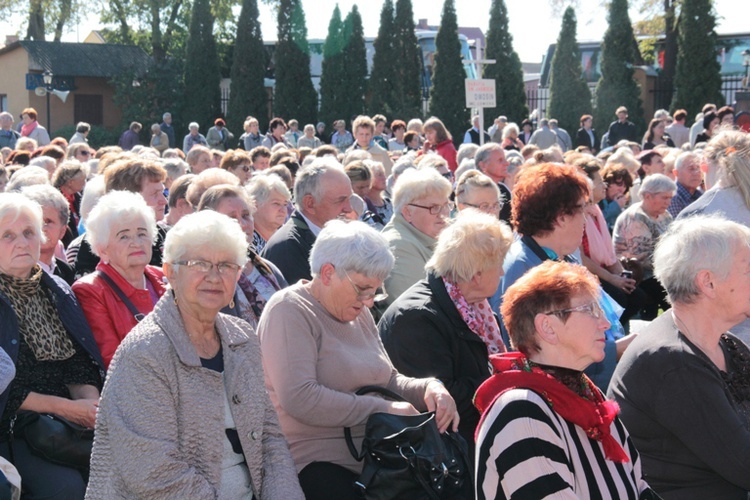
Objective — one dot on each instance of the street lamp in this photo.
(746, 64)
(47, 77)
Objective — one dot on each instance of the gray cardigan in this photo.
(160, 426)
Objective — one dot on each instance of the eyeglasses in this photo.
(448, 175)
(486, 207)
(84, 153)
(593, 309)
(246, 168)
(437, 209)
(377, 296)
(204, 266)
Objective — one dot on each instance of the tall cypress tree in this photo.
(355, 64)
(698, 78)
(510, 93)
(408, 86)
(570, 97)
(202, 73)
(448, 75)
(382, 83)
(616, 86)
(333, 70)
(247, 93)
(295, 96)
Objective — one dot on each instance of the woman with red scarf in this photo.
(546, 429)
(32, 129)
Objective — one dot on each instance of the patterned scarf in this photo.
(585, 408)
(251, 309)
(478, 318)
(39, 323)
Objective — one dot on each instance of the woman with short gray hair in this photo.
(324, 331)
(271, 198)
(636, 232)
(682, 385)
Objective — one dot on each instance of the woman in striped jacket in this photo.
(546, 429)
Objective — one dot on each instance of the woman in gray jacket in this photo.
(184, 412)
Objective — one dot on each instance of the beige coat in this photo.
(160, 426)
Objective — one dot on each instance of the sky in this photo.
(533, 23)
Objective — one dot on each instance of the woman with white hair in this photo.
(683, 385)
(159, 140)
(271, 198)
(636, 232)
(478, 191)
(422, 206)
(309, 140)
(320, 345)
(58, 368)
(184, 413)
(443, 326)
(194, 138)
(511, 142)
(124, 288)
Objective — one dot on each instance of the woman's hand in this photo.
(402, 408)
(627, 285)
(621, 200)
(441, 402)
(80, 411)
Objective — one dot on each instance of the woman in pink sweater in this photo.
(320, 344)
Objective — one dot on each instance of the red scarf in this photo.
(513, 371)
(27, 129)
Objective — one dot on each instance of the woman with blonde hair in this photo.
(510, 138)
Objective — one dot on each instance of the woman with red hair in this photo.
(32, 129)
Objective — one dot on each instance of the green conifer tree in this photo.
(294, 96)
(448, 76)
(355, 65)
(570, 97)
(616, 86)
(333, 69)
(408, 87)
(247, 93)
(382, 83)
(510, 93)
(202, 74)
(698, 79)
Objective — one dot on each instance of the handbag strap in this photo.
(358, 456)
(133, 310)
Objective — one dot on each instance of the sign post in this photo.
(480, 94)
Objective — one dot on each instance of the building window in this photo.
(3, 102)
(89, 108)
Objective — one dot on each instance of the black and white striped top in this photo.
(525, 450)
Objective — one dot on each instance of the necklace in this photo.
(687, 333)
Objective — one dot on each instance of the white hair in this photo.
(684, 159)
(117, 206)
(193, 125)
(27, 176)
(47, 196)
(657, 183)
(352, 247)
(466, 150)
(175, 168)
(95, 189)
(692, 244)
(15, 204)
(308, 179)
(205, 229)
(415, 184)
(260, 188)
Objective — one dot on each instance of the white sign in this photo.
(480, 93)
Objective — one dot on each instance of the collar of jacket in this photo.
(167, 316)
(406, 229)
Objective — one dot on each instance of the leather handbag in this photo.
(55, 438)
(405, 456)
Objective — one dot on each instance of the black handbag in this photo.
(55, 438)
(407, 457)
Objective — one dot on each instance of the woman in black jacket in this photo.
(443, 326)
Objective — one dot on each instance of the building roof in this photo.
(81, 59)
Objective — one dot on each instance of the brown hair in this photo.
(131, 174)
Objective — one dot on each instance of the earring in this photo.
(231, 304)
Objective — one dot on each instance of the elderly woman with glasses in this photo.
(320, 345)
(476, 190)
(124, 288)
(184, 413)
(422, 206)
(238, 162)
(684, 384)
(443, 326)
(546, 430)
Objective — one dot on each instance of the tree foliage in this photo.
(333, 70)
(507, 71)
(616, 87)
(202, 73)
(42, 17)
(570, 97)
(698, 78)
(355, 65)
(382, 83)
(407, 98)
(448, 75)
(294, 96)
(247, 93)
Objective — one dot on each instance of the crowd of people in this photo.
(211, 307)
